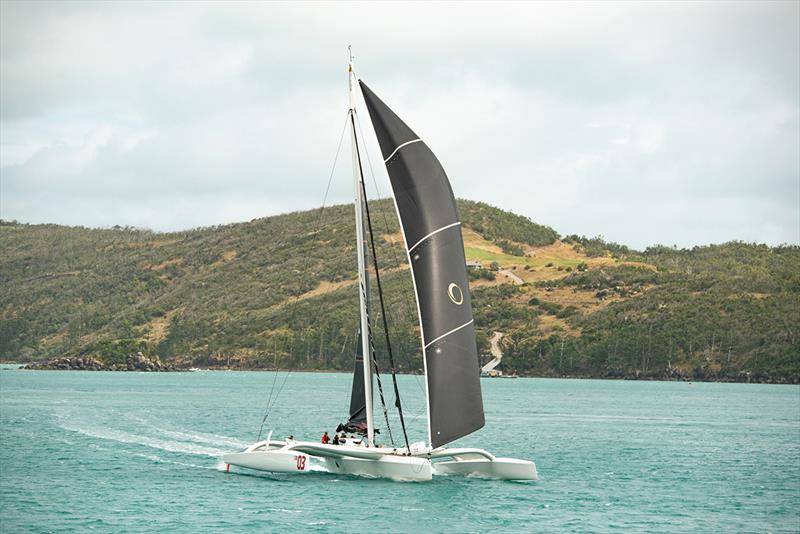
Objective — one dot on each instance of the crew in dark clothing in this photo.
(335, 440)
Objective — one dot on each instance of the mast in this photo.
(361, 252)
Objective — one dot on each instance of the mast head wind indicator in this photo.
(351, 75)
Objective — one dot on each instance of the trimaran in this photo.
(428, 216)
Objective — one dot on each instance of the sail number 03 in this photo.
(301, 463)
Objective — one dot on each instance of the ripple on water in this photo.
(118, 452)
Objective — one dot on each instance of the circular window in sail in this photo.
(455, 294)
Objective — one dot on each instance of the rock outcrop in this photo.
(134, 362)
(69, 364)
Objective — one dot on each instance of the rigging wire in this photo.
(405, 295)
(397, 402)
(270, 402)
(383, 210)
(333, 168)
(271, 390)
(269, 408)
(341, 258)
(372, 356)
(374, 360)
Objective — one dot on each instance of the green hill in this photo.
(280, 291)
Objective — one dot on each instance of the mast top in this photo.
(352, 79)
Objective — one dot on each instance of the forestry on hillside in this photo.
(280, 292)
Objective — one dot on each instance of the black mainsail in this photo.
(432, 232)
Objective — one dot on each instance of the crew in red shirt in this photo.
(325, 438)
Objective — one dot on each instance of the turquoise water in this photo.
(139, 452)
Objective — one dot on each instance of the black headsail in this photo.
(432, 231)
(358, 403)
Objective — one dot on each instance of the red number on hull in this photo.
(301, 463)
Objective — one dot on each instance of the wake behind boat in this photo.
(426, 209)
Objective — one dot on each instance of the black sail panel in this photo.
(430, 223)
(358, 403)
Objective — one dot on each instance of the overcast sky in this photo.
(675, 123)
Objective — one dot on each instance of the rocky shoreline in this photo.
(136, 362)
(141, 363)
(696, 375)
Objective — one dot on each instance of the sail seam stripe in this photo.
(433, 233)
(448, 333)
(399, 147)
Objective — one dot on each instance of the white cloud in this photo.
(658, 122)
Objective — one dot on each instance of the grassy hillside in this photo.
(281, 291)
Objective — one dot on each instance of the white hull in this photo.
(480, 463)
(271, 456)
(356, 459)
(390, 466)
(274, 462)
(499, 468)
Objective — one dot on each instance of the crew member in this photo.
(325, 438)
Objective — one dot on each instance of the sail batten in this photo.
(443, 228)
(399, 147)
(429, 221)
(453, 331)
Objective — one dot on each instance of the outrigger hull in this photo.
(270, 456)
(272, 461)
(499, 468)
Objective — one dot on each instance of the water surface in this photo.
(139, 452)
